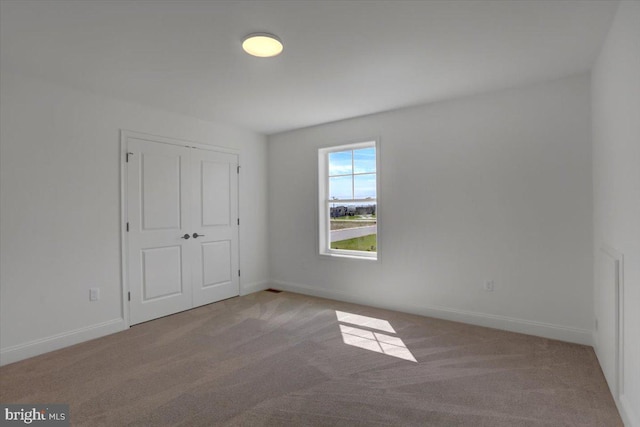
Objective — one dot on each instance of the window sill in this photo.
(349, 256)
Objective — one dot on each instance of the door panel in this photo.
(215, 177)
(215, 216)
(159, 273)
(160, 176)
(216, 263)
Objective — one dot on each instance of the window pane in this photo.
(340, 188)
(353, 226)
(364, 186)
(364, 160)
(340, 163)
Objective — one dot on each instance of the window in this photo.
(348, 207)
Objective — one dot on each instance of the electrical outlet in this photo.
(489, 285)
(94, 294)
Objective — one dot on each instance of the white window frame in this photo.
(324, 226)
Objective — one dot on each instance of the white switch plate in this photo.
(489, 285)
(94, 294)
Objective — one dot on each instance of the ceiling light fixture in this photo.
(263, 45)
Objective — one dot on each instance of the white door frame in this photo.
(618, 261)
(124, 208)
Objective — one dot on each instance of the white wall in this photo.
(60, 209)
(616, 179)
(495, 186)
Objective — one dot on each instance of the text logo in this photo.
(55, 414)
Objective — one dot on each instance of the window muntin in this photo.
(348, 200)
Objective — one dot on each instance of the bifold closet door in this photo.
(182, 209)
(159, 218)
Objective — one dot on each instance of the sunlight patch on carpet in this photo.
(366, 321)
(372, 340)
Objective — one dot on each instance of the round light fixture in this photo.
(262, 45)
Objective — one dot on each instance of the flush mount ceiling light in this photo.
(262, 45)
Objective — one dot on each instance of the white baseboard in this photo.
(66, 339)
(546, 330)
(249, 288)
(628, 413)
(55, 342)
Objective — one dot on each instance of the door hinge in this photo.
(129, 154)
(238, 221)
(127, 227)
(238, 273)
(238, 169)
(129, 296)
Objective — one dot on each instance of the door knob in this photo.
(186, 237)
(196, 235)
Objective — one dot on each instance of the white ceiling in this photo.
(341, 59)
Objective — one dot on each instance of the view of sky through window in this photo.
(352, 174)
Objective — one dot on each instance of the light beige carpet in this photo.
(287, 359)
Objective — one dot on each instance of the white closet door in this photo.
(159, 215)
(215, 265)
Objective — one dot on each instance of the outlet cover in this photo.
(94, 294)
(489, 285)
